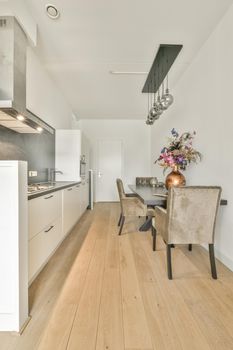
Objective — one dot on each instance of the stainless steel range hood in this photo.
(13, 50)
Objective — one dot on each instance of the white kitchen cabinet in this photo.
(68, 153)
(44, 210)
(51, 218)
(84, 196)
(45, 229)
(13, 246)
(78, 199)
(71, 145)
(71, 207)
(42, 245)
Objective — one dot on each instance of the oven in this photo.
(82, 167)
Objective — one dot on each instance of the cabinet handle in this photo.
(70, 189)
(48, 197)
(49, 229)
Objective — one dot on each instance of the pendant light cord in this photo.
(167, 73)
(154, 88)
(148, 102)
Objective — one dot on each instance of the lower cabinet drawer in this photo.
(42, 211)
(42, 245)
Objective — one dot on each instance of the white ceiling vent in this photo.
(52, 11)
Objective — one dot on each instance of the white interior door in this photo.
(109, 168)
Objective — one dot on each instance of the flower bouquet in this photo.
(178, 154)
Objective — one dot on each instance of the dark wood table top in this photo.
(150, 195)
(155, 195)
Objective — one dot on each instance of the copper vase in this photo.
(175, 178)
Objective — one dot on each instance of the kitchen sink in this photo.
(40, 187)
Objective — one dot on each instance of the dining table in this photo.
(152, 197)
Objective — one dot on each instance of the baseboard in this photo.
(226, 260)
(25, 325)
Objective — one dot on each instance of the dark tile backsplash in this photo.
(37, 149)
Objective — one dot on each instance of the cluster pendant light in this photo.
(156, 85)
(162, 103)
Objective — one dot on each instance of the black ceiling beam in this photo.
(163, 61)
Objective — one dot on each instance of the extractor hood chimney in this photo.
(13, 50)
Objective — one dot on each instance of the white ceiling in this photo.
(93, 37)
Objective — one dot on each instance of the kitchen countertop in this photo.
(59, 185)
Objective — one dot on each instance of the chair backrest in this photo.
(191, 214)
(120, 188)
(143, 181)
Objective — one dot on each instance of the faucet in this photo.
(51, 174)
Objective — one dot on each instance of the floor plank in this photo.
(136, 330)
(84, 329)
(161, 327)
(110, 328)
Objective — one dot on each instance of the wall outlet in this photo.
(32, 173)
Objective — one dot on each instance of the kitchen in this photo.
(56, 199)
(72, 121)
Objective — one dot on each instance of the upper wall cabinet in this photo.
(68, 153)
(71, 146)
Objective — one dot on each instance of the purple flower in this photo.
(180, 159)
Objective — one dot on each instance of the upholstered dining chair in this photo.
(144, 181)
(120, 188)
(131, 205)
(189, 219)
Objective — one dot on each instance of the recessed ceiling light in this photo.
(127, 72)
(52, 11)
(39, 128)
(20, 117)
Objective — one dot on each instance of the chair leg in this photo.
(190, 247)
(212, 261)
(119, 222)
(122, 224)
(153, 230)
(169, 262)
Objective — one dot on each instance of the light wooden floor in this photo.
(105, 292)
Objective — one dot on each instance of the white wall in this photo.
(19, 9)
(135, 136)
(43, 97)
(203, 102)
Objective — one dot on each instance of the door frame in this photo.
(98, 157)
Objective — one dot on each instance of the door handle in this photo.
(48, 197)
(46, 231)
(99, 174)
